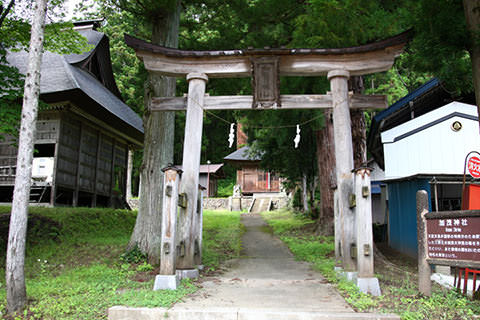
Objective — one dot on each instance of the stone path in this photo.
(268, 277)
(267, 283)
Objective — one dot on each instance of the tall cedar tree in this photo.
(163, 19)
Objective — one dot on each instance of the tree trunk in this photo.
(158, 145)
(326, 175)
(359, 133)
(15, 273)
(472, 15)
(305, 193)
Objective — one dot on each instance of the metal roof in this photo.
(205, 168)
(427, 97)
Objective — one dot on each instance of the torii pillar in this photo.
(266, 66)
(344, 216)
(191, 166)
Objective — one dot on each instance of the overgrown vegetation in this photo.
(222, 233)
(225, 186)
(76, 265)
(398, 279)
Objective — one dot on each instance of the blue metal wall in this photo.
(403, 214)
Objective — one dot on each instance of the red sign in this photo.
(473, 166)
(454, 238)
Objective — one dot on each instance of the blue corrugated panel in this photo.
(403, 214)
(376, 187)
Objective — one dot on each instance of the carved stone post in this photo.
(366, 281)
(191, 166)
(424, 272)
(167, 278)
(344, 164)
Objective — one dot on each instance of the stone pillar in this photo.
(424, 272)
(191, 166)
(344, 165)
(167, 279)
(366, 281)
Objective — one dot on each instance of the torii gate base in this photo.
(353, 235)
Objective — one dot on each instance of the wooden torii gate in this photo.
(265, 66)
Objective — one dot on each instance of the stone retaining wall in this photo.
(224, 203)
(215, 203)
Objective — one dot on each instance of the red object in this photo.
(473, 166)
(471, 198)
(465, 281)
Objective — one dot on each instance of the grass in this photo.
(76, 265)
(398, 280)
(222, 233)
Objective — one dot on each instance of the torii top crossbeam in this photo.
(265, 66)
(359, 60)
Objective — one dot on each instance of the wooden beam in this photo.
(359, 60)
(294, 65)
(77, 176)
(314, 101)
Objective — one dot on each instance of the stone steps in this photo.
(126, 313)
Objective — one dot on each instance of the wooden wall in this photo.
(88, 159)
(48, 125)
(252, 180)
(8, 160)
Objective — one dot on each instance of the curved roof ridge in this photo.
(143, 45)
(68, 72)
(94, 38)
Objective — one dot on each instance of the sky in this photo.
(22, 9)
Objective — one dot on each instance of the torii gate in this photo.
(265, 66)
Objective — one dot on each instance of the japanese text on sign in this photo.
(454, 238)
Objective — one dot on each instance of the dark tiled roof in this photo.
(93, 38)
(242, 154)
(60, 73)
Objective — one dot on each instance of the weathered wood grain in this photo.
(313, 101)
(169, 222)
(345, 228)
(191, 165)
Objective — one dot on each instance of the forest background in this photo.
(440, 47)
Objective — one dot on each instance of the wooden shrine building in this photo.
(84, 134)
(265, 66)
(250, 177)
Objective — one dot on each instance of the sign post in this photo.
(447, 238)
